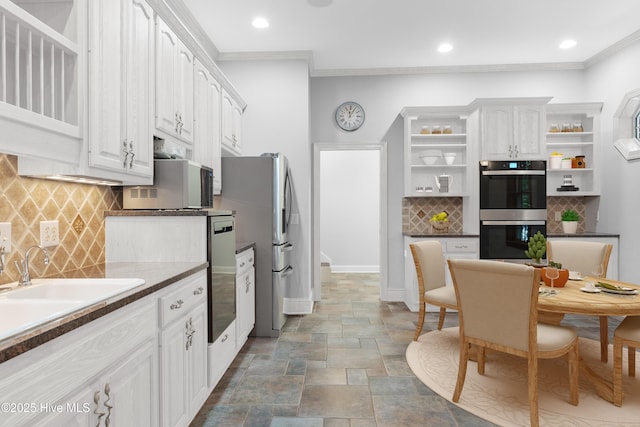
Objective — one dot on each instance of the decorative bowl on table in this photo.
(558, 282)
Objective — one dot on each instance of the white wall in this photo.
(350, 209)
(277, 120)
(608, 81)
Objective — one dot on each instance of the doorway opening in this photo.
(350, 211)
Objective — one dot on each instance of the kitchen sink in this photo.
(25, 307)
(84, 290)
(19, 315)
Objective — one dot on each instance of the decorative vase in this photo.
(560, 281)
(569, 227)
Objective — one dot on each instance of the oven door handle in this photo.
(513, 223)
(515, 172)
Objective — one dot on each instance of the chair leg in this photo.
(604, 339)
(420, 321)
(631, 354)
(533, 388)
(481, 353)
(574, 381)
(462, 370)
(443, 311)
(617, 371)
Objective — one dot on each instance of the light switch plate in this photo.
(5, 236)
(49, 235)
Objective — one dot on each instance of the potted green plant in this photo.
(537, 247)
(570, 220)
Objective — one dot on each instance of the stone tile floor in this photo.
(341, 366)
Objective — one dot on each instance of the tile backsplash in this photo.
(24, 202)
(416, 212)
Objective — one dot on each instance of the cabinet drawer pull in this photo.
(224, 338)
(198, 291)
(251, 260)
(176, 305)
(242, 264)
(96, 400)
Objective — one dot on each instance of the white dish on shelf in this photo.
(449, 158)
(430, 157)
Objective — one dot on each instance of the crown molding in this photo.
(614, 48)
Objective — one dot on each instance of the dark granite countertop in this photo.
(243, 246)
(463, 234)
(156, 212)
(157, 275)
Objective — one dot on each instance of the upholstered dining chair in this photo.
(497, 310)
(432, 289)
(627, 333)
(586, 258)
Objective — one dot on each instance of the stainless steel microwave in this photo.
(177, 184)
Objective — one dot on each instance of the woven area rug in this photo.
(500, 396)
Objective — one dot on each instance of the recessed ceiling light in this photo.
(567, 44)
(260, 22)
(445, 47)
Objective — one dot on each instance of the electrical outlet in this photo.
(5, 236)
(49, 235)
(557, 216)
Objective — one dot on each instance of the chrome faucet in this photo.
(23, 266)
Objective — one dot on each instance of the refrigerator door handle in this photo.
(288, 247)
(286, 272)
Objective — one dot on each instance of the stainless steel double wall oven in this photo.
(513, 206)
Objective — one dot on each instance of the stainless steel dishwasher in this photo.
(221, 254)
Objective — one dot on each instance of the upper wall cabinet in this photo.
(174, 86)
(436, 153)
(512, 128)
(121, 76)
(573, 130)
(207, 128)
(41, 89)
(231, 125)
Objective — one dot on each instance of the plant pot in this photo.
(569, 227)
(559, 282)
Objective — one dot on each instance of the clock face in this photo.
(350, 116)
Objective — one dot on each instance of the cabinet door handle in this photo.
(107, 404)
(96, 400)
(176, 305)
(189, 331)
(131, 154)
(125, 153)
(198, 291)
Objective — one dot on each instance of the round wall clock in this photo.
(350, 116)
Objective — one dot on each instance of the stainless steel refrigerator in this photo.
(258, 189)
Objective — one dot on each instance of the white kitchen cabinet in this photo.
(121, 74)
(419, 177)
(183, 355)
(452, 247)
(207, 126)
(221, 353)
(571, 144)
(512, 128)
(231, 125)
(43, 90)
(245, 296)
(174, 85)
(110, 364)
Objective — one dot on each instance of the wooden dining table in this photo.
(570, 299)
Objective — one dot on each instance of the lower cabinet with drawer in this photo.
(452, 247)
(245, 296)
(183, 350)
(103, 373)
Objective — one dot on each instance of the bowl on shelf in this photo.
(430, 157)
(449, 158)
